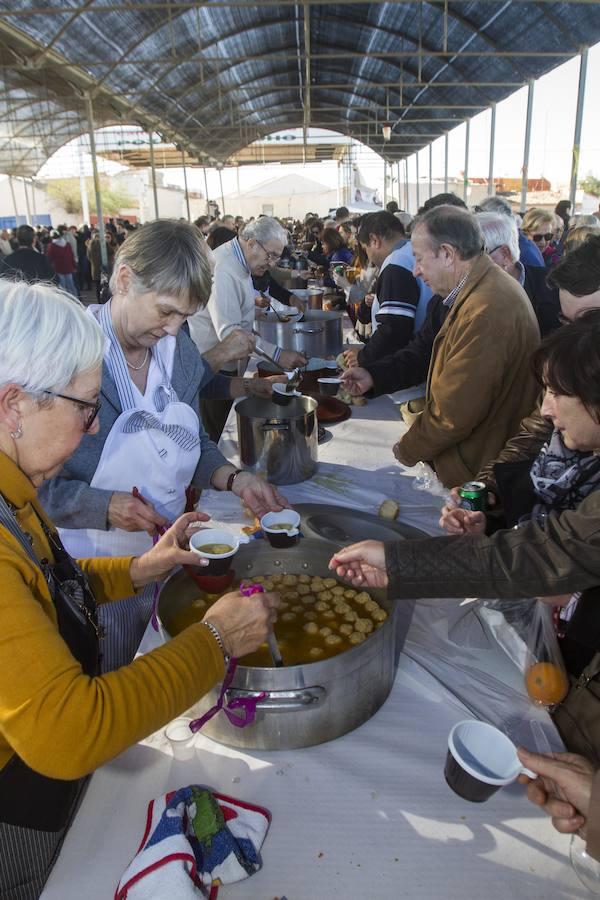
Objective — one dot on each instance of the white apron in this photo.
(154, 445)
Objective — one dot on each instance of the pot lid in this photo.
(344, 525)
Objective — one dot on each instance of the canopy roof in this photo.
(214, 75)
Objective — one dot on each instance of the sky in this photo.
(555, 96)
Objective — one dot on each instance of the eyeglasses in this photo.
(93, 407)
(271, 257)
(542, 237)
(489, 252)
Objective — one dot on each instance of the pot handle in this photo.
(276, 426)
(284, 701)
(318, 330)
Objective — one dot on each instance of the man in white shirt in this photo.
(232, 303)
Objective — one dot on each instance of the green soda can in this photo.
(472, 496)
(339, 270)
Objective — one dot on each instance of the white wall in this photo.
(284, 206)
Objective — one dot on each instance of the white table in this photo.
(367, 816)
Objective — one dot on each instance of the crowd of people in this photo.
(455, 299)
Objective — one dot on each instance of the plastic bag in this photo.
(546, 679)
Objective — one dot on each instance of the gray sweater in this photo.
(68, 497)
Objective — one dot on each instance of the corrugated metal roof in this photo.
(213, 76)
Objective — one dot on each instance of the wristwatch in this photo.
(231, 479)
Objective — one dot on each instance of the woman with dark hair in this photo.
(334, 251)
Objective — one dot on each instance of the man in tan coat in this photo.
(480, 383)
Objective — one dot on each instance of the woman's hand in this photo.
(455, 520)
(340, 281)
(258, 495)
(263, 387)
(289, 359)
(243, 622)
(361, 564)
(170, 551)
(563, 787)
(131, 514)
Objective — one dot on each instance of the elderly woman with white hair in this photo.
(59, 718)
(502, 246)
(126, 482)
(232, 302)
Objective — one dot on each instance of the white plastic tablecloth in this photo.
(367, 816)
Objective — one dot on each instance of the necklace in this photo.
(141, 365)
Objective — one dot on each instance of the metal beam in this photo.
(446, 162)
(466, 172)
(153, 172)
(185, 183)
(431, 170)
(490, 188)
(526, 146)
(100, 217)
(307, 73)
(179, 5)
(578, 123)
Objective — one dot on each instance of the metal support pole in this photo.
(417, 179)
(399, 185)
(490, 187)
(153, 171)
(29, 221)
(446, 163)
(406, 194)
(32, 183)
(431, 170)
(101, 235)
(525, 169)
(578, 122)
(85, 207)
(221, 185)
(384, 182)
(185, 184)
(14, 199)
(206, 190)
(466, 172)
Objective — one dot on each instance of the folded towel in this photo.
(195, 840)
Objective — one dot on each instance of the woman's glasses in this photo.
(86, 404)
(543, 237)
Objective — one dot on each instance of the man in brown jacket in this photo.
(480, 384)
(577, 277)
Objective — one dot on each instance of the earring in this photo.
(15, 435)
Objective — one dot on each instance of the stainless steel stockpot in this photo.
(280, 442)
(318, 333)
(315, 702)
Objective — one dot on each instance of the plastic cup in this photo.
(218, 563)
(480, 760)
(329, 386)
(181, 739)
(278, 537)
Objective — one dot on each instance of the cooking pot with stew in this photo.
(309, 702)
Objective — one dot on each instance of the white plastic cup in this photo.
(181, 739)
(480, 760)
(219, 563)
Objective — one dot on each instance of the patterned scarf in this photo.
(561, 477)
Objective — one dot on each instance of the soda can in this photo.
(473, 495)
(339, 270)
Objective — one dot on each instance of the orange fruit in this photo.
(546, 683)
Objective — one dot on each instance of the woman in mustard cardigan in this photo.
(59, 719)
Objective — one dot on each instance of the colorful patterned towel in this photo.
(194, 841)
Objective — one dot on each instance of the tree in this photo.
(591, 185)
(67, 192)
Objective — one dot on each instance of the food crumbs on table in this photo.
(320, 855)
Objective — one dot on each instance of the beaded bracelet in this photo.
(217, 636)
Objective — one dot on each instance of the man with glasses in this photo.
(232, 303)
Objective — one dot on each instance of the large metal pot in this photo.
(278, 441)
(317, 334)
(307, 704)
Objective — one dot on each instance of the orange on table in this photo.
(546, 683)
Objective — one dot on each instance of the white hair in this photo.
(46, 337)
(499, 231)
(495, 204)
(265, 229)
